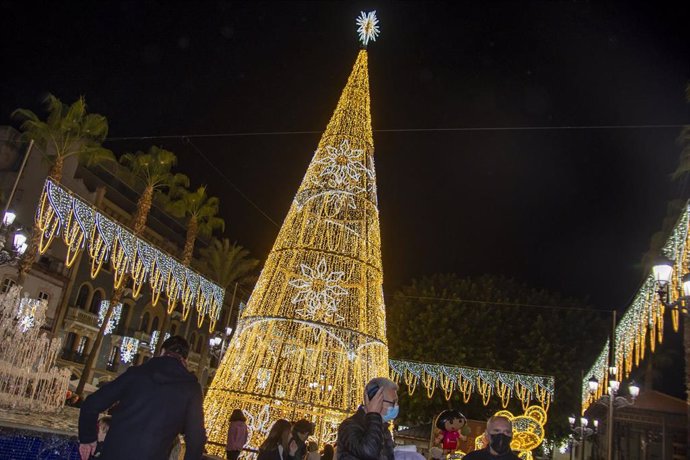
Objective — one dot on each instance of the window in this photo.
(154, 324)
(42, 295)
(114, 356)
(124, 320)
(7, 283)
(69, 342)
(200, 343)
(96, 302)
(82, 297)
(192, 341)
(144, 325)
(81, 349)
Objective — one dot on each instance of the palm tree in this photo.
(230, 266)
(154, 169)
(68, 131)
(229, 263)
(202, 212)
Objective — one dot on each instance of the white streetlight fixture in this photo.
(634, 390)
(593, 384)
(614, 386)
(663, 270)
(19, 240)
(228, 330)
(571, 420)
(8, 218)
(595, 422)
(613, 371)
(584, 422)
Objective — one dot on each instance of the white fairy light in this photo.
(155, 335)
(114, 318)
(129, 348)
(26, 314)
(368, 27)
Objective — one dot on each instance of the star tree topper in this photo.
(368, 27)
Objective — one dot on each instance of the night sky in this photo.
(568, 210)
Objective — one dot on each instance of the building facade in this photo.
(74, 297)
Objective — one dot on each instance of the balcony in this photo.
(73, 356)
(143, 337)
(52, 265)
(80, 317)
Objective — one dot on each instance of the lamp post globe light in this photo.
(219, 341)
(612, 401)
(11, 232)
(580, 433)
(663, 273)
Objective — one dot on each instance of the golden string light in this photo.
(485, 382)
(644, 317)
(313, 332)
(83, 227)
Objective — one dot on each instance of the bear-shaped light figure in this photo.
(528, 431)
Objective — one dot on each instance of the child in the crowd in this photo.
(313, 451)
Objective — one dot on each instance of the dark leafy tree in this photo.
(474, 322)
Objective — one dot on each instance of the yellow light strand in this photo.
(313, 331)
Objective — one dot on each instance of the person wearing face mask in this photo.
(365, 435)
(499, 433)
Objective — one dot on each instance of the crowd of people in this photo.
(152, 405)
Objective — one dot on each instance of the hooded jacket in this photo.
(155, 402)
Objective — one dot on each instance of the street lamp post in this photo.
(581, 433)
(219, 342)
(8, 230)
(613, 401)
(663, 272)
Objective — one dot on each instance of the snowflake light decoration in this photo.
(129, 348)
(343, 164)
(114, 318)
(318, 290)
(368, 27)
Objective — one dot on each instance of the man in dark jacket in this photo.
(365, 435)
(155, 402)
(499, 434)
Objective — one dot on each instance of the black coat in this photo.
(156, 401)
(364, 437)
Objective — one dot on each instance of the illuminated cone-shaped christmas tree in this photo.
(313, 332)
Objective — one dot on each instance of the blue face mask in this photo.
(391, 413)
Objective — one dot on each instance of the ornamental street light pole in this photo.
(8, 230)
(581, 433)
(612, 401)
(19, 176)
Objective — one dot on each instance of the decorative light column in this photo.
(317, 311)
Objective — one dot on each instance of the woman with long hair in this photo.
(279, 444)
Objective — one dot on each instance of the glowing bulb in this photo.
(19, 240)
(663, 271)
(8, 218)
